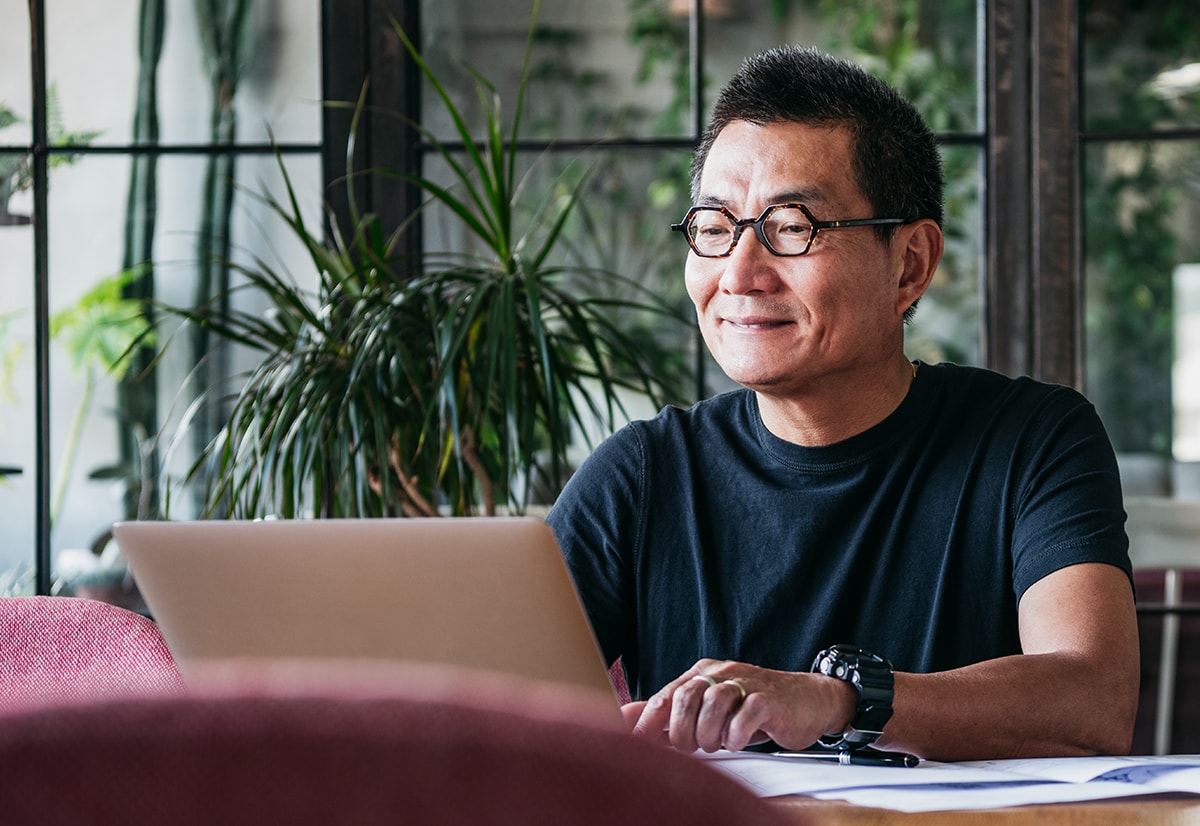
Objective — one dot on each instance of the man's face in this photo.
(776, 324)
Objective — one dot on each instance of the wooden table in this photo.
(1141, 811)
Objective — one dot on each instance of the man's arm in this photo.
(1073, 690)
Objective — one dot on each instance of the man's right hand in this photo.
(719, 704)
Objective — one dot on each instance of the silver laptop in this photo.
(489, 593)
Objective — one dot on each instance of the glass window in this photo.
(17, 385)
(220, 79)
(1141, 65)
(16, 315)
(16, 109)
(125, 227)
(1141, 258)
(200, 372)
(94, 484)
(1141, 199)
(598, 70)
(929, 51)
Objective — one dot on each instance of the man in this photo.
(958, 534)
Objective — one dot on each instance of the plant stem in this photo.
(222, 32)
(137, 392)
(62, 478)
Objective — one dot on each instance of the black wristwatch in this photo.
(871, 676)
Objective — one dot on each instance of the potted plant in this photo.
(451, 384)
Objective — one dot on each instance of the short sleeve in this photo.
(1069, 508)
(598, 522)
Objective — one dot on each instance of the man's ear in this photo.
(920, 244)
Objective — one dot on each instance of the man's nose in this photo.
(750, 267)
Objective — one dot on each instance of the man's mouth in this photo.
(756, 323)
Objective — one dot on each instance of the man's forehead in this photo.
(783, 161)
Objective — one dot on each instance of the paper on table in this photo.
(937, 797)
(986, 784)
(1176, 772)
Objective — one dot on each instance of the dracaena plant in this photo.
(452, 384)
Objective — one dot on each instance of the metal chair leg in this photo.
(1168, 660)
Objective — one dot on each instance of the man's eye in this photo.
(712, 230)
(792, 228)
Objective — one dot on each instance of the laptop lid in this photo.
(481, 592)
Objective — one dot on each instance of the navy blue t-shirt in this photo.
(700, 534)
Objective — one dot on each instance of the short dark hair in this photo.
(896, 161)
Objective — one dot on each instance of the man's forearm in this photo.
(1027, 705)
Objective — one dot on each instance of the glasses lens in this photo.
(711, 232)
(788, 230)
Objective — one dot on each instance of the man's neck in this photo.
(836, 407)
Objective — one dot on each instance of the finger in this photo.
(686, 705)
(746, 726)
(720, 706)
(632, 712)
(655, 715)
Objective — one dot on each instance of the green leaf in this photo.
(102, 328)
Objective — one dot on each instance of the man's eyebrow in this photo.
(807, 195)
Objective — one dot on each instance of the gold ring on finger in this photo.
(738, 685)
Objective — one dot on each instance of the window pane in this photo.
(929, 50)
(96, 478)
(16, 184)
(598, 69)
(199, 373)
(268, 66)
(17, 422)
(1141, 64)
(15, 108)
(1141, 203)
(91, 327)
(98, 436)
